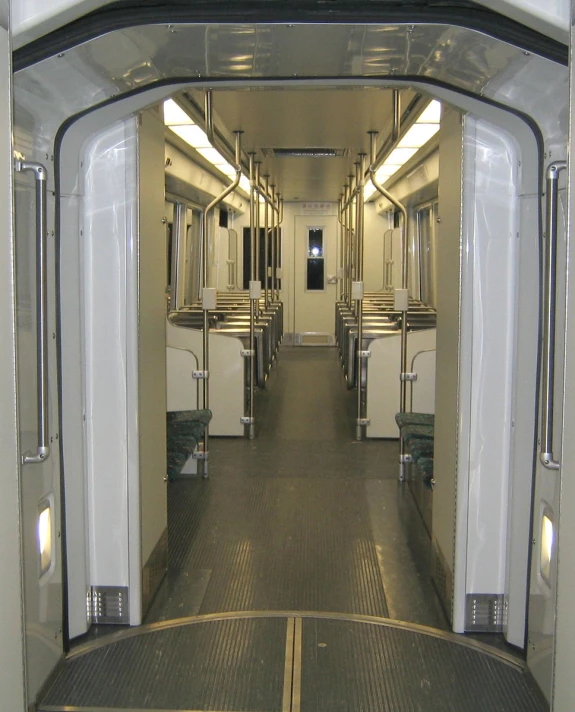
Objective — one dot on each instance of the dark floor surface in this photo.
(302, 518)
(308, 528)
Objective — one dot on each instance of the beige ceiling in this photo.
(305, 118)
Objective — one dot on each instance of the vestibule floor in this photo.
(298, 580)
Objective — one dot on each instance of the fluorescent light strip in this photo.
(176, 119)
(422, 131)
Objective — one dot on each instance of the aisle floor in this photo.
(302, 518)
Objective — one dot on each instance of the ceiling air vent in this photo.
(307, 152)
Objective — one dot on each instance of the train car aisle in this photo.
(303, 518)
(286, 566)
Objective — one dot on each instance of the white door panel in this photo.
(12, 666)
(314, 308)
(40, 481)
(543, 575)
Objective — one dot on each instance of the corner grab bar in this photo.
(40, 177)
(550, 297)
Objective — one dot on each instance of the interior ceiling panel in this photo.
(312, 118)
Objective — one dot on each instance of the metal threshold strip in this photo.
(292, 676)
(289, 661)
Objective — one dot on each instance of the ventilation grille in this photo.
(306, 152)
(484, 612)
(108, 604)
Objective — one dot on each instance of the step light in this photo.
(45, 537)
(547, 545)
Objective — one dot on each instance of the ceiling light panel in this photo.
(418, 135)
(431, 113)
(193, 135)
(174, 115)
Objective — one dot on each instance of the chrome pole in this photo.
(350, 262)
(252, 350)
(550, 298)
(206, 299)
(346, 263)
(209, 116)
(278, 241)
(41, 182)
(273, 236)
(404, 286)
(396, 115)
(257, 207)
(340, 256)
(359, 226)
(266, 245)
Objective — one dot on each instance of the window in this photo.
(426, 233)
(315, 278)
(247, 252)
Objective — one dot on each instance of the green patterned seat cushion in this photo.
(425, 467)
(403, 419)
(418, 432)
(189, 416)
(184, 429)
(420, 447)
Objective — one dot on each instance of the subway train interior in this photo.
(287, 379)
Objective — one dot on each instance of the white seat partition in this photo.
(383, 380)
(184, 349)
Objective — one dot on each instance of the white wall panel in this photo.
(110, 219)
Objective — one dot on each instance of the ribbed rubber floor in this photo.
(239, 665)
(215, 665)
(355, 667)
(278, 544)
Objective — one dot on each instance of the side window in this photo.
(426, 235)
(247, 252)
(315, 273)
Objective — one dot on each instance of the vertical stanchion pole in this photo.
(266, 244)
(258, 216)
(359, 225)
(350, 264)
(209, 300)
(252, 349)
(278, 241)
(273, 239)
(401, 296)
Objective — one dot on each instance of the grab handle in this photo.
(549, 295)
(40, 176)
